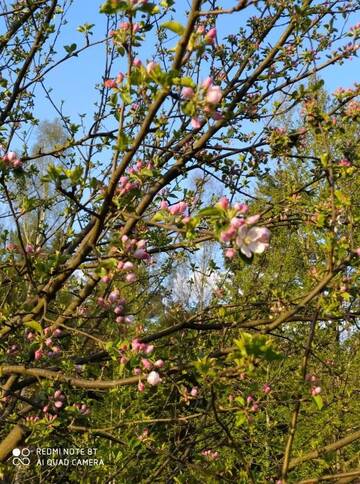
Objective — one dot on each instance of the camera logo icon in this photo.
(21, 457)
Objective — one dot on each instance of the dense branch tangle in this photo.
(66, 279)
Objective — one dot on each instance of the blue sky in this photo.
(73, 82)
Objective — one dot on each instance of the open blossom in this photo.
(252, 240)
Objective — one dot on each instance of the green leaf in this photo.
(34, 325)
(319, 401)
(175, 27)
(209, 212)
(70, 48)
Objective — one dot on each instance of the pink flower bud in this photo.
(194, 392)
(137, 63)
(141, 254)
(187, 92)
(151, 67)
(141, 386)
(120, 319)
(237, 222)
(45, 408)
(17, 163)
(208, 82)
(357, 251)
(114, 295)
(106, 279)
(148, 349)
(10, 156)
(223, 203)
(141, 244)
(253, 219)
(57, 394)
(196, 123)
(230, 253)
(315, 391)
(119, 310)
(58, 404)
(153, 378)
(120, 78)
(58, 333)
(29, 249)
(38, 354)
(48, 342)
(146, 363)
(227, 235)
(213, 95)
(266, 388)
(130, 277)
(159, 363)
(249, 399)
(241, 207)
(210, 36)
(136, 28)
(164, 205)
(124, 360)
(110, 83)
(344, 162)
(137, 371)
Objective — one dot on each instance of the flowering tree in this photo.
(258, 382)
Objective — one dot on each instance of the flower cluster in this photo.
(12, 160)
(210, 454)
(48, 347)
(202, 102)
(241, 233)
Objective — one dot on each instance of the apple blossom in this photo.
(146, 363)
(151, 67)
(223, 203)
(153, 378)
(159, 363)
(213, 95)
(137, 63)
(230, 253)
(315, 391)
(187, 93)
(210, 36)
(252, 240)
(141, 386)
(38, 354)
(196, 123)
(110, 84)
(208, 82)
